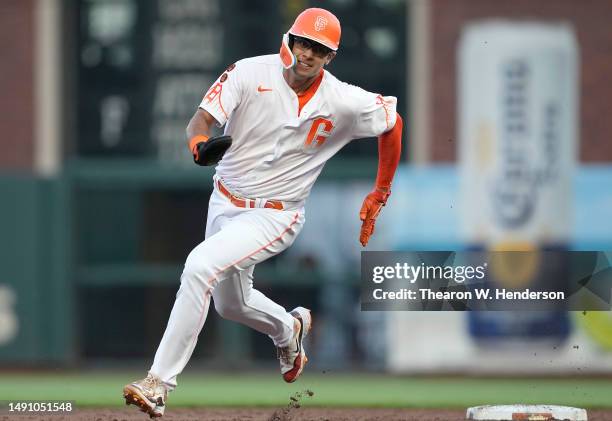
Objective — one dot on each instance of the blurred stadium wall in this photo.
(505, 342)
(102, 203)
(588, 20)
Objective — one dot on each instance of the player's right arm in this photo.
(216, 107)
(198, 129)
(200, 123)
(206, 150)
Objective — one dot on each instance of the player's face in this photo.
(311, 57)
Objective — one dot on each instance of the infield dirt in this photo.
(270, 414)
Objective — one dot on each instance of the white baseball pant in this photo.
(222, 266)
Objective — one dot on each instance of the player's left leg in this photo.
(236, 299)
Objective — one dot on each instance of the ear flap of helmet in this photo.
(286, 55)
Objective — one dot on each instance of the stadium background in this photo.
(101, 204)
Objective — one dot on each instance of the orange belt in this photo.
(247, 203)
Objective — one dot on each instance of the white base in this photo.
(525, 413)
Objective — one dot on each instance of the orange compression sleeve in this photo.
(389, 153)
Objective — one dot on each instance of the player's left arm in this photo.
(389, 153)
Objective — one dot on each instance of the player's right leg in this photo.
(149, 394)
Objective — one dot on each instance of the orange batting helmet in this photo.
(316, 24)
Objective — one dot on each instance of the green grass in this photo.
(358, 390)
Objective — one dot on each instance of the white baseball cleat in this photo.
(149, 394)
(293, 357)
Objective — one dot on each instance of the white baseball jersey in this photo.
(278, 153)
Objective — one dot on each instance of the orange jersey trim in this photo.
(380, 100)
(305, 96)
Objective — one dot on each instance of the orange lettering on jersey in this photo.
(213, 92)
(319, 132)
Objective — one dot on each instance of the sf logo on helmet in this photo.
(320, 23)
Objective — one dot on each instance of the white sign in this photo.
(517, 114)
(9, 323)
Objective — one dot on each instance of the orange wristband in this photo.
(195, 140)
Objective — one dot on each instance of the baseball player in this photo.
(284, 117)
